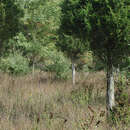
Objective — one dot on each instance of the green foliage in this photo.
(30, 28)
(36, 39)
(85, 62)
(110, 30)
(18, 43)
(125, 67)
(14, 64)
(121, 113)
(104, 23)
(72, 47)
(59, 65)
(74, 18)
(10, 20)
(83, 68)
(71, 32)
(98, 65)
(41, 20)
(40, 24)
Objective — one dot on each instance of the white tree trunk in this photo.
(73, 73)
(33, 69)
(110, 89)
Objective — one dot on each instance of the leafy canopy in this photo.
(73, 38)
(10, 16)
(110, 29)
(105, 23)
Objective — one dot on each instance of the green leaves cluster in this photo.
(15, 64)
(59, 65)
(110, 25)
(10, 20)
(73, 47)
(74, 19)
(32, 28)
(30, 36)
(73, 38)
(105, 24)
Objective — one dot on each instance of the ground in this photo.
(40, 102)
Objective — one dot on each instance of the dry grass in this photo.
(40, 103)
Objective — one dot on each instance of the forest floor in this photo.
(40, 102)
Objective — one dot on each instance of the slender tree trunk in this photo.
(117, 71)
(110, 99)
(73, 73)
(33, 69)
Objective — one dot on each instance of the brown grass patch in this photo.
(40, 103)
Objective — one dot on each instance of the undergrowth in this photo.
(120, 115)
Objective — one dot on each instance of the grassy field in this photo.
(40, 102)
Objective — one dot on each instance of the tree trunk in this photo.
(33, 69)
(110, 99)
(73, 73)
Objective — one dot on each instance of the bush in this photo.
(60, 65)
(14, 64)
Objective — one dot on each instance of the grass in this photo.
(41, 103)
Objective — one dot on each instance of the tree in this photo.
(36, 36)
(41, 21)
(72, 37)
(110, 29)
(10, 16)
(107, 24)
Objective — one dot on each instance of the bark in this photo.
(110, 99)
(73, 73)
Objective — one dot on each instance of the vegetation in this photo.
(110, 37)
(122, 110)
(73, 40)
(41, 103)
(10, 21)
(40, 40)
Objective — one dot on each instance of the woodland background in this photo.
(36, 92)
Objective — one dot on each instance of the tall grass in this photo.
(40, 103)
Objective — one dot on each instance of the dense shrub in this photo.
(60, 65)
(14, 64)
